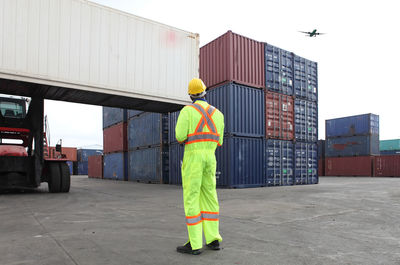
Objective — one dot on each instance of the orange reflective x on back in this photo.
(206, 120)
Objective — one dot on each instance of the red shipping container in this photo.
(279, 111)
(349, 166)
(69, 152)
(95, 166)
(321, 167)
(232, 57)
(387, 166)
(115, 138)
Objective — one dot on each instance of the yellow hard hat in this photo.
(196, 88)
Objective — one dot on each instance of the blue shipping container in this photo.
(148, 129)
(175, 163)
(390, 152)
(149, 165)
(71, 167)
(353, 125)
(364, 145)
(305, 79)
(240, 163)
(133, 113)
(115, 166)
(173, 118)
(305, 120)
(83, 154)
(113, 116)
(321, 149)
(306, 163)
(243, 108)
(82, 168)
(278, 162)
(278, 70)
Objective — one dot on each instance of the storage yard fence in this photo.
(269, 99)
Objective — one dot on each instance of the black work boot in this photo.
(214, 245)
(187, 248)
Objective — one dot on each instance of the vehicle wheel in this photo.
(65, 177)
(54, 178)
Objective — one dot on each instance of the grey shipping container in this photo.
(353, 125)
(278, 162)
(240, 163)
(305, 120)
(306, 163)
(115, 166)
(113, 116)
(305, 79)
(175, 163)
(243, 108)
(149, 165)
(147, 129)
(364, 145)
(278, 70)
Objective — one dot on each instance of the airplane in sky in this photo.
(313, 33)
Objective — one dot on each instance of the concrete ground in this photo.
(339, 221)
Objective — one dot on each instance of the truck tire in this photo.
(65, 177)
(54, 180)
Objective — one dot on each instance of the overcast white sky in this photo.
(358, 59)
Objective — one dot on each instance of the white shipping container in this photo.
(81, 45)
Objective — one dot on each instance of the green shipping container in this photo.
(387, 145)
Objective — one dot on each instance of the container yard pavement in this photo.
(339, 221)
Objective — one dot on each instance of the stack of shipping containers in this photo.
(269, 99)
(388, 163)
(351, 144)
(82, 165)
(115, 157)
(148, 147)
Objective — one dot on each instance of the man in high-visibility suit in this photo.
(200, 127)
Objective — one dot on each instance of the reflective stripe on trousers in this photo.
(206, 216)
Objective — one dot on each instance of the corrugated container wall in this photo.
(305, 79)
(115, 166)
(243, 109)
(147, 129)
(115, 138)
(391, 152)
(71, 167)
(232, 57)
(90, 47)
(278, 70)
(306, 163)
(364, 145)
(305, 120)
(83, 154)
(95, 166)
(133, 113)
(353, 125)
(279, 110)
(81, 168)
(240, 163)
(388, 145)
(387, 166)
(321, 167)
(172, 120)
(175, 163)
(278, 162)
(321, 148)
(149, 165)
(113, 116)
(348, 166)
